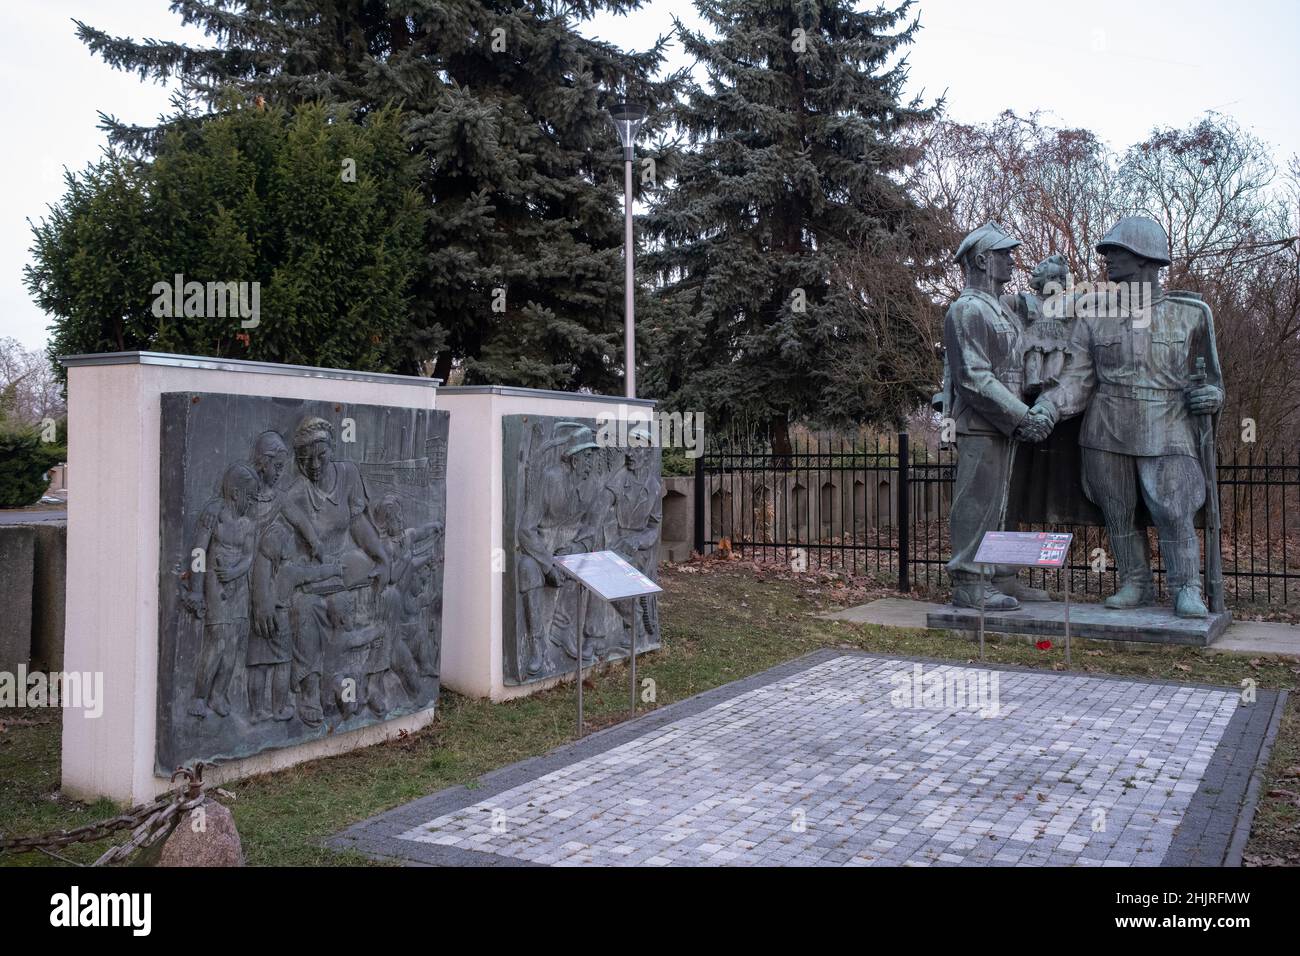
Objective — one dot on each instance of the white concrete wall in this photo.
(472, 610)
(114, 429)
(114, 433)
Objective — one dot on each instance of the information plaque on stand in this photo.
(1026, 549)
(613, 579)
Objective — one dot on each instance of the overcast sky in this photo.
(1117, 67)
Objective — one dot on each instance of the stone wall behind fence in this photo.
(801, 507)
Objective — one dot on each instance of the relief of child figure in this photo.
(346, 651)
(424, 645)
(218, 595)
(277, 573)
(409, 550)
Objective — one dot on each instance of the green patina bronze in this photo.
(1128, 368)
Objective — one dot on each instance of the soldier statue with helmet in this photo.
(1142, 366)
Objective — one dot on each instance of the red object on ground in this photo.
(1044, 645)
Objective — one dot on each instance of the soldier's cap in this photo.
(577, 437)
(986, 238)
(560, 434)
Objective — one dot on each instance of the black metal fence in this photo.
(880, 508)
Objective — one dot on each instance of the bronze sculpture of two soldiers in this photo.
(1140, 367)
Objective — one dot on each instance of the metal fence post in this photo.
(901, 517)
(699, 503)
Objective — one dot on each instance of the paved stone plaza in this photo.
(843, 758)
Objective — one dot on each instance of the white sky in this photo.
(1117, 67)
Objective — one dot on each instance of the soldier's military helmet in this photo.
(986, 238)
(1140, 236)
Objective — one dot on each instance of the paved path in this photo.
(1259, 637)
(830, 760)
(1241, 637)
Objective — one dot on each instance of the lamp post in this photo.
(628, 118)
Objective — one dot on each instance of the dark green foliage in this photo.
(250, 195)
(24, 460)
(503, 103)
(676, 464)
(787, 246)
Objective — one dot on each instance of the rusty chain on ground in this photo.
(148, 822)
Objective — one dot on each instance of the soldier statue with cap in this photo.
(984, 355)
(557, 506)
(1134, 376)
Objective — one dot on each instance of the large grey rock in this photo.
(17, 559)
(49, 595)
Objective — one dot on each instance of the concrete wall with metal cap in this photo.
(476, 550)
(114, 437)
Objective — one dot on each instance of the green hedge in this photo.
(675, 464)
(24, 461)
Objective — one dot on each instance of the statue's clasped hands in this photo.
(1036, 425)
(1204, 400)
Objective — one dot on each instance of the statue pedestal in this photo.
(1155, 625)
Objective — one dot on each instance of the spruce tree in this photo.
(784, 249)
(503, 102)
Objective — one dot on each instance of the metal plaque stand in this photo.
(1067, 613)
(631, 659)
(583, 598)
(1012, 561)
(582, 626)
(609, 577)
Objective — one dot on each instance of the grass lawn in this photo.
(722, 621)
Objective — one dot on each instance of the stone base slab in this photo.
(1155, 625)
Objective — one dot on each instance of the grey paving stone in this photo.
(830, 760)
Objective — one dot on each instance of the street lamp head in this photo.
(628, 119)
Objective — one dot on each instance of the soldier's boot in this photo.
(967, 592)
(1181, 558)
(1136, 587)
(593, 645)
(1132, 594)
(536, 658)
(1190, 603)
(1012, 585)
